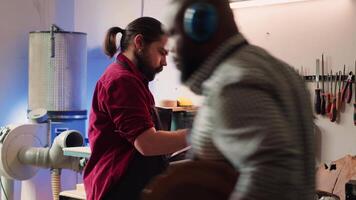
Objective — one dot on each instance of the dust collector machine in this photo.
(56, 109)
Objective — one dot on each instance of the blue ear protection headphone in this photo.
(200, 21)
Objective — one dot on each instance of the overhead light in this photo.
(255, 3)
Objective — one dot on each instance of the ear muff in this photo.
(200, 21)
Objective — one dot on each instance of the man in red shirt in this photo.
(128, 149)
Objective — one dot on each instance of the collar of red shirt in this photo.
(121, 58)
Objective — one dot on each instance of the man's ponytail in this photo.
(110, 47)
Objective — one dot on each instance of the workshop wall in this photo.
(298, 33)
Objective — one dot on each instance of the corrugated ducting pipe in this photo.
(56, 183)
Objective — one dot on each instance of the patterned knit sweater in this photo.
(256, 114)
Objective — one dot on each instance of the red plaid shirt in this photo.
(120, 112)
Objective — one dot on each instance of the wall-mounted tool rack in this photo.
(312, 78)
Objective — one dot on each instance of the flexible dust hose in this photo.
(53, 157)
(56, 183)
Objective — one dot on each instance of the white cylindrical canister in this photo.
(57, 71)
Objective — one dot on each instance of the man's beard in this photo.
(145, 67)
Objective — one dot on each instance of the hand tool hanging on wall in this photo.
(338, 101)
(317, 99)
(331, 94)
(333, 106)
(342, 100)
(328, 93)
(323, 94)
(347, 89)
(343, 83)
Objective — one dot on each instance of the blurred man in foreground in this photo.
(256, 115)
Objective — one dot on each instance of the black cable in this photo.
(142, 7)
(3, 189)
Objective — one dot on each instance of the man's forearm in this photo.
(153, 142)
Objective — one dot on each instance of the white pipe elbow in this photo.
(53, 157)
